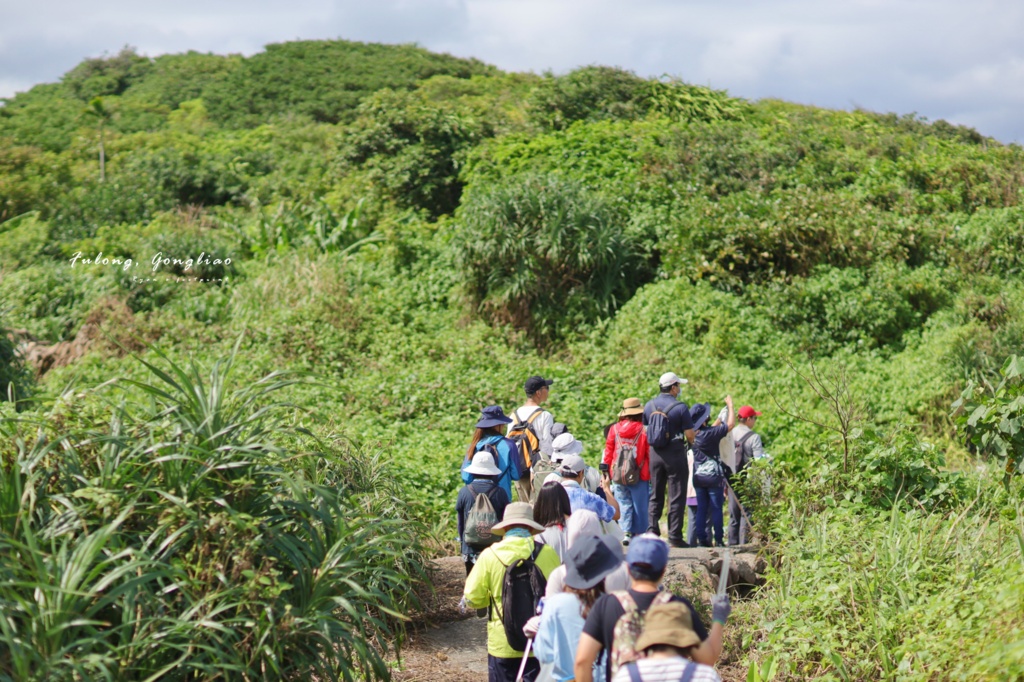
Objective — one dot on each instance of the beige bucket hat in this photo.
(517, 514)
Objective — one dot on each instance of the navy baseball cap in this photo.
(534, 384)
(648, 549)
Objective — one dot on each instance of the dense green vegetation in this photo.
(421, 233)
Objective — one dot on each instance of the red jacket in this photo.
(627, 430)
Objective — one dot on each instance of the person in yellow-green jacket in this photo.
(484, 585)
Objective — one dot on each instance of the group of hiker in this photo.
(563, 601)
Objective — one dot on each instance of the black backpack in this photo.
(659, 433)
(521, 590)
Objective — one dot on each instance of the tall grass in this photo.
(905, 595)
(197, 535)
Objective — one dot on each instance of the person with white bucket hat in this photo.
(564, 446)
(485, 482)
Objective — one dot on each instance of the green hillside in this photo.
(420, 233)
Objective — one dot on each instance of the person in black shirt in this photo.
(647, 558)
(668, 464)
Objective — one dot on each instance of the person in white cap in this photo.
(485, 476)
(564, 445)
(579, 498)
(669, 429)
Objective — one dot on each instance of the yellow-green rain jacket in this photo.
(485, 581)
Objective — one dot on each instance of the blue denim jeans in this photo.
(691, 525)
(633, 500)
(709, 498)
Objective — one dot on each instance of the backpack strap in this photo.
(634, 672)
(688, 671)
(625, 600)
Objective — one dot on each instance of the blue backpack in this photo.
(659, 433)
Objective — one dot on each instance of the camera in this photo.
(603, 467)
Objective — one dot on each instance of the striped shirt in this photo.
(667, 670)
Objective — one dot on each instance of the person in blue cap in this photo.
(708, 472)
(647, 558)
(490, 434)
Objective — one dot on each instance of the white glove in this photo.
(531, 627)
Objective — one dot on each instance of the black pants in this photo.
(668, 466)
(506, 669)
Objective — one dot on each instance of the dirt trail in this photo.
(448, 646)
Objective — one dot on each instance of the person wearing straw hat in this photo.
(490, 435)
(589, 561)
(485, 476)
(484, 585)
(667, 643)
(628, 439)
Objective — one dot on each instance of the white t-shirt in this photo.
(541, 425)
(667, 670)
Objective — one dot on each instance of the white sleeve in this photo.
(543, 425)
(556, 582)
(756, 446)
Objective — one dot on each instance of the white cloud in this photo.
(940, 58)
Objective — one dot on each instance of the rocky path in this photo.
(447, 646)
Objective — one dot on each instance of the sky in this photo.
(959, 61)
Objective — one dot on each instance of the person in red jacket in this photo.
(628, 439)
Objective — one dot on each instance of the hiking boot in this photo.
(626, 539)
(705, 543)
(678, 544)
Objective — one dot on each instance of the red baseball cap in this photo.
(746, 412)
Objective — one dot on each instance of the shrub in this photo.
(545, 255)
(590, 93)
(187, 535)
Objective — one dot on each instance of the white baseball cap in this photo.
(670, 378)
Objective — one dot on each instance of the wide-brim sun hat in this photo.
(668, 624)
(517, 514)
(492, 415)
(483, 465)
(590, 559)
(699, 414)
(565, 445)
(630, 407)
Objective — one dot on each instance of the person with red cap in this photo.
(748, 446)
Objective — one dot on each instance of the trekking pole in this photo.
(723, 579)
(739, 504)
(526, 657)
